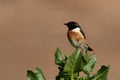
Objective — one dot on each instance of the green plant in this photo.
(76, 66)
(36, 75)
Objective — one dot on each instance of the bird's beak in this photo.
(65, 23)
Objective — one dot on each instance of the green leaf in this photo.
(39, 74)
(90, 65)
(101, 74)
(58, 59)
(84, 78)
(73, 64)
(31, 75)
(87, 57)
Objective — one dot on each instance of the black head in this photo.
(72, 25)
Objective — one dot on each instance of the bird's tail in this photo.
(89, 48)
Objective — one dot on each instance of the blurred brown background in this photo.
(31, 30)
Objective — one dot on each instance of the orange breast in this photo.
(76, 36)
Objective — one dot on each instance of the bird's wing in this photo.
(83, 33)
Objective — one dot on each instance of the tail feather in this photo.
(89, 48)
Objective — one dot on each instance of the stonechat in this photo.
(76, 35)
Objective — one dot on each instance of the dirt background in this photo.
(31, 30)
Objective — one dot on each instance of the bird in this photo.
(76, 36)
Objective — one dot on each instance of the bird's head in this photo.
(72, 25)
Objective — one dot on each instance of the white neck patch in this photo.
(76, 30)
